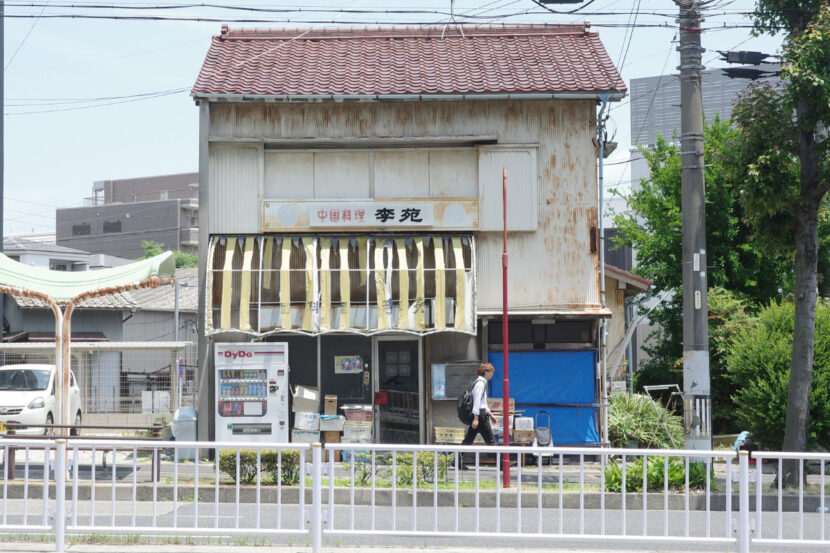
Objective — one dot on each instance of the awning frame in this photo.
(324, 317)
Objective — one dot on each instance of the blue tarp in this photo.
(544, 378)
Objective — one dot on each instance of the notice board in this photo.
(450, 380)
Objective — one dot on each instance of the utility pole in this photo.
(697, 401)
(2, 144)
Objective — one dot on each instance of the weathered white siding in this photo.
(235, 175)
(551, 267)
(288, 175)
(523, 189)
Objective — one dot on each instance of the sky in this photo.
(97, 99)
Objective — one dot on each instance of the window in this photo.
(112, 226)
(58, 266)
(80, 229)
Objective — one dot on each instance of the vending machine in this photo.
(251, 392)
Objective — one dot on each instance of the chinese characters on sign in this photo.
(387, 214)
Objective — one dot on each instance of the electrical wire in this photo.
(621, 63)
(29, 32)
(575, 10)
(137, 98)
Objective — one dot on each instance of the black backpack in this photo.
(465, 405)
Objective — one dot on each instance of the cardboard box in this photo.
(355, 454)
(332, 423)
(523, 423)
(449, 435)
(332, 437)
(358, 412)
(500, 420)
(307, 421)
(306, 399)
(357, 431)
(304, 436)
(330, 406)
(496, 405)
(523, 436)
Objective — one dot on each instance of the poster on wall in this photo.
(439, 381)
(348, 364)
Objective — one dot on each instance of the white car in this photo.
(27, 396)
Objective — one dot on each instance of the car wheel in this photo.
(77, 431)
(49, 421)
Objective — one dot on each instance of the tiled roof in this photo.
(163, 298)
(120, 302)
(519, 59)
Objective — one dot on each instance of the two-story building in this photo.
(351, 205)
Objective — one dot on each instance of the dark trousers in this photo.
(484, 429)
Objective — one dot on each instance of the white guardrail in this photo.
(82, 486)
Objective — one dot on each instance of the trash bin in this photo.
(184, 430)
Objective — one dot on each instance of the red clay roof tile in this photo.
(407, 60)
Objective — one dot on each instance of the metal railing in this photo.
(406, 492)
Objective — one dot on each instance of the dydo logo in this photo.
(235, 354)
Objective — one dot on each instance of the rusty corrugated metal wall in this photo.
(551, 267)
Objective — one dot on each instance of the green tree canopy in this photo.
(183, 259)
(652, 224)
(785, 150)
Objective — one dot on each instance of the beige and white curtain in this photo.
(363, 284)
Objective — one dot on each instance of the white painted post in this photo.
(316, 498)
(60, 494)
(743, 502)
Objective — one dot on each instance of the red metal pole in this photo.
(505, 461)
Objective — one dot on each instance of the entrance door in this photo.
(345, 368)
(399, 384)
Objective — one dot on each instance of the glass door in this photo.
(399, 387)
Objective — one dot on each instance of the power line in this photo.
(22, 42)
(160, 94)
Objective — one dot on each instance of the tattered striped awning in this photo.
(321, 283)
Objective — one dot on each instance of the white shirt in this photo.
(480, 396)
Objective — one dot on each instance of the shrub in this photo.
(635, 418)
(759, 367)
(269, 460)
(402, 472)
(290, 470)
(655, 472)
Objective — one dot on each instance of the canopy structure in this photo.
(63, 286)
(361, 284)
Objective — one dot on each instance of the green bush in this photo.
(655, 472)
(270, 462)
(758, 366)
(290, 469)
(633, 418)
(425, 469)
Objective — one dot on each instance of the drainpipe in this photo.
(603, 335)
(629, 350)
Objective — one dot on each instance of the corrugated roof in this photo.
(14, 244)
(522, 59)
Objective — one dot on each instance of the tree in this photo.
(784, 146)
(652, 226)
(183, 259)
(758, 363)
